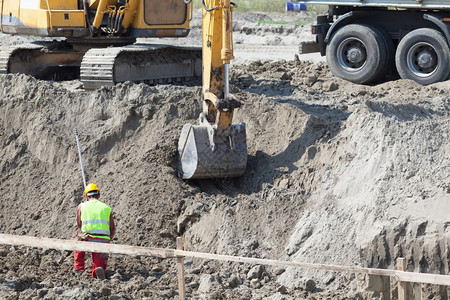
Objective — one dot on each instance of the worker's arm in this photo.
(112, 227)
(79, 216)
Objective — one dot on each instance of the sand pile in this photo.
(337, 173)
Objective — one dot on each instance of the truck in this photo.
(368, 41)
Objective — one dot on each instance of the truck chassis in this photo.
(366, 42)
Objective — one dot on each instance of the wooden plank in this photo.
(399, 275)
(70, 245)
(423, 278)
(280, 263)
(180, 263)
(402, 286)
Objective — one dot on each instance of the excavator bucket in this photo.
(203, 153)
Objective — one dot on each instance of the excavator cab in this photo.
(215, 147)
(92, 19)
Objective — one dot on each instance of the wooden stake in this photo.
(180, 263)
(402, 285)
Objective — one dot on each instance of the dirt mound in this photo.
(337, 173)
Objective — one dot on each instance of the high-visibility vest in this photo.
(95, 219)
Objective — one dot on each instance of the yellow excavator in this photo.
(97, 42)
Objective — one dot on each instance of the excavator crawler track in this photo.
(8, 52)
(44, 60)
(140, 63)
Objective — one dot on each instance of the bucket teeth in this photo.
(226, 156)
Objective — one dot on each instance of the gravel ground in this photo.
(337, 173)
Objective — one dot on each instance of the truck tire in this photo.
(389, 70)
(358, 53)
(423, 56)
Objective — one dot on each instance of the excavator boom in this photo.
(215, 147)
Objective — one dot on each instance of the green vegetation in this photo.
(274, 6)
(266, 6)
(255, 5)
(318, 9)
(282, 22)
(261, 5)
(36, 103)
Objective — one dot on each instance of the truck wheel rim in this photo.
(422, 59)
(351, 54)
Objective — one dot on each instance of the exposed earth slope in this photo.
(337, 173)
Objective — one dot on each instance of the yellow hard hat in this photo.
(92, 189)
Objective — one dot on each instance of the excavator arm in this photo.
(215, 147)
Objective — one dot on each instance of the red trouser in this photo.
(98, 259)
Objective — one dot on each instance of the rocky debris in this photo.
(190, 215)
(308, 285)
(234, 281)
(337, 173)
(255, 272)
(208, 283)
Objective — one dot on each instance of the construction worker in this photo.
(96, 222)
